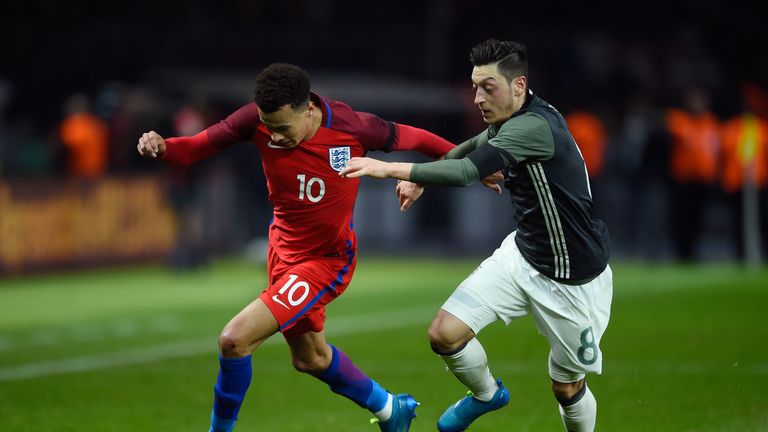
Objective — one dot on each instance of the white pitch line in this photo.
(351, 325)
(377, 321)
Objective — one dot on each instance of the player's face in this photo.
(496, 98)
(289, 126)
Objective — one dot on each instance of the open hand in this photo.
(363, 166)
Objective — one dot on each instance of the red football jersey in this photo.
(312, 204)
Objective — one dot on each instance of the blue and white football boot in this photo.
(460, 415)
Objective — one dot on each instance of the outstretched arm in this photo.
(358, 167)
(238, 126)
(424, 142)
(427, 143)
(482, 162)
(445, 172)
(414, 139)
(181, 150)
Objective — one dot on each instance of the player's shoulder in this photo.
(526, 121)
(340, 117)
(369, 130)
(238, 126)
(245, 116)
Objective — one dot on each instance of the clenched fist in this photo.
(151, 145)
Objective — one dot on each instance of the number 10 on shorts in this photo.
(293, 288)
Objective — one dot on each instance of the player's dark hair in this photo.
(512, 57)
(281, 84)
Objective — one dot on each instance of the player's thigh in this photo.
(573, 318)
(489, 293)
(299, 294)
(250, 327)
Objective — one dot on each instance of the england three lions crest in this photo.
(338, 157)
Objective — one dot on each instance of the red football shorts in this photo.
(298, 292)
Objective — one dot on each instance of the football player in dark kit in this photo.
(554, 266)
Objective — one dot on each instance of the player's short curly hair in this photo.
(281, 84)
(512, 57)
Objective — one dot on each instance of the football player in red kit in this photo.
(304, 140)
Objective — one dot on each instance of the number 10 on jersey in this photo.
(306, 188)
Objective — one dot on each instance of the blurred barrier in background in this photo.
(50, 223)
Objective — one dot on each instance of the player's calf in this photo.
(393, 412)
(577, 406)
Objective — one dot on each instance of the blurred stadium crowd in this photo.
(669, 106)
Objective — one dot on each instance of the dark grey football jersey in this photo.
(556, 231)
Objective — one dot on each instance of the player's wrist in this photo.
(400, 170)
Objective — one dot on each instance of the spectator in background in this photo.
(589, 132)
(639, 171)
(695, 150)
(745, 166)
(31, 153)
(85, 139)
(184, 193)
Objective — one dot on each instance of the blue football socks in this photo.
(346, 379)
(231, 386)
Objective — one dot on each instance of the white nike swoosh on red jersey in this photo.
(274, 297)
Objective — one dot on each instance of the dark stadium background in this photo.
(404, 60)
(113, 288)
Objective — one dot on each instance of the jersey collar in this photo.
(325, 109)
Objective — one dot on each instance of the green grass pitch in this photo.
(134, 350)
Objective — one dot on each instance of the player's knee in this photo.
(440, 339)
(447, 333)
(232, 345)
(566, 391)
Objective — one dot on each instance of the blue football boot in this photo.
(403, 412)
(460, 415)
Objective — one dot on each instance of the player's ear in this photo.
(519, 85)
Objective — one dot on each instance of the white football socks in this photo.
(385, 413)
(582, 414)
(470, 366)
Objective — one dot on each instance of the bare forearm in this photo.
(398, 170)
